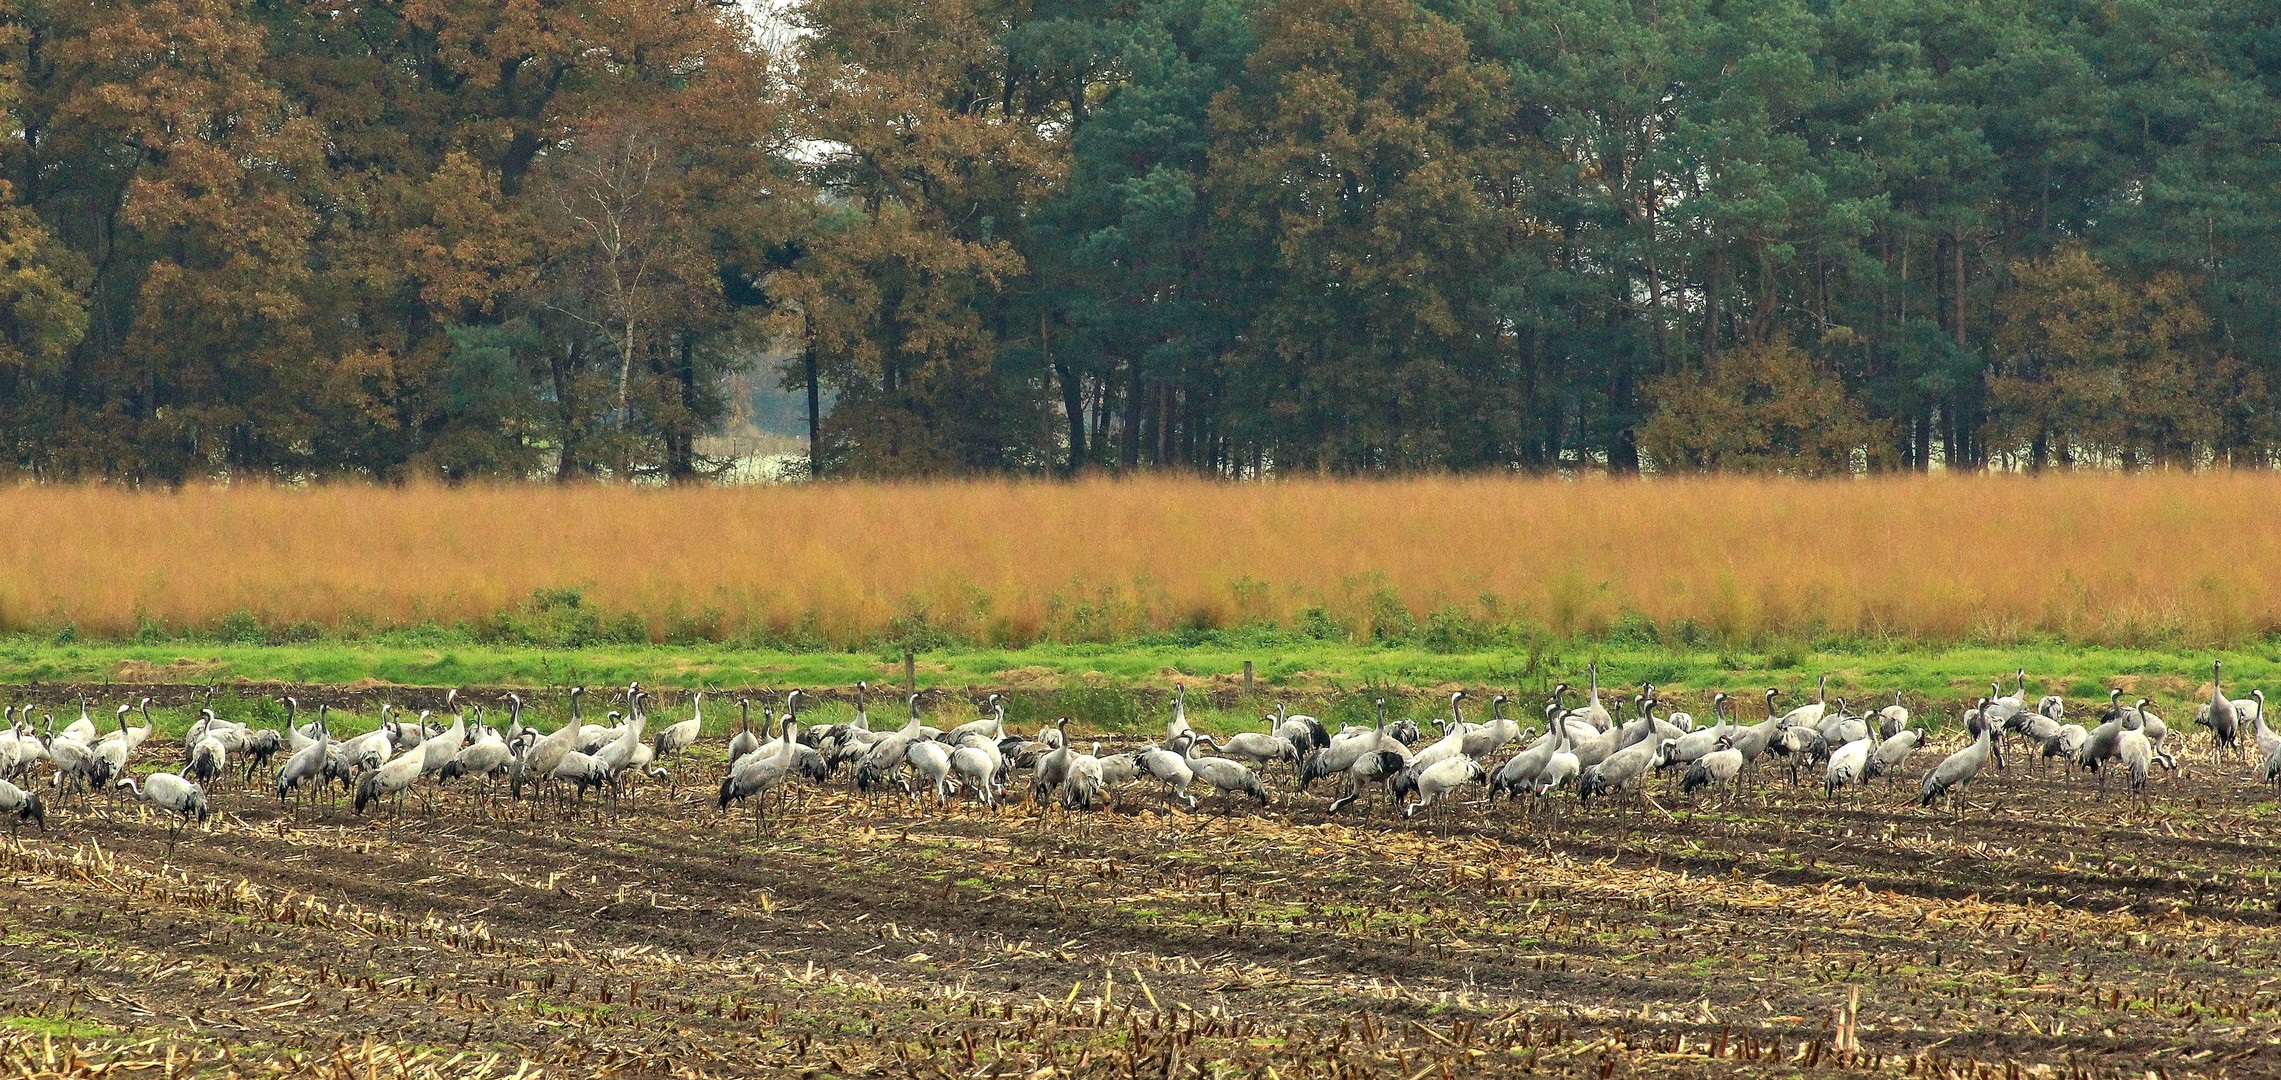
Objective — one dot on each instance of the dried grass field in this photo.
(2049, 931)
(2092, 558)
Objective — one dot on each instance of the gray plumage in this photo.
(1715, 769)
(1893, 753)
(23, 805)
(2225, 723)
(1957, 771)
(1619, 770)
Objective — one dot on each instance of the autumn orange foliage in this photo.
(2106, 557)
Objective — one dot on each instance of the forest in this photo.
(474, 239)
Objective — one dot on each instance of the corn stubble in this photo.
(2106, 558)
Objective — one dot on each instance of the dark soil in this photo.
(2051, 931)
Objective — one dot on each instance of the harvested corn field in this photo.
(2046, 930)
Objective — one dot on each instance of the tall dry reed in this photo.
(2111, 558)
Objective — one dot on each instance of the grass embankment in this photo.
(2114, 559)
(1119, 689)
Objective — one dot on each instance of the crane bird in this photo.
(1810, 714)
(1377, 756)
(1521, 770)
(1692, 746)
(1305, 732)
(133, 737)
(583, 772)
(1227, 777)
(74, 762)
(110, 754)
(1083, 785)
(172, 794)
(1593, 712)
(976, 770)
(744, 741)
(207, 760)
(1342, 752)
(885, 759)
(1178, 725)
(1052, 768)
(626, 751)
(440, 751)
(1270, 745)
(1715, 769)
(538, 764)
(931, 760)
(2224, 720)
(23, 806)
(675, 738)
(1170, 767)
(1559, 770)
(306, 766)
(1440, 778)
(1756, 739)
(1488, 738)
(1893, 753)
(1955, 772)
(756, 774)
(2133, 752)
(393, 778)
(1620, 770)
(1849, 764)
(2268, 741)
(82, 730)
(1892, 718)
(1451, 744)
(488, 757)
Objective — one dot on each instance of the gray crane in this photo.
(1436, 781)
(1620, 770)
(672, 739)
(2224, 721)
(1715, 769)
(1083, 786)
(174, 795)
(1892, 718)
(1521, 770)
(1893, 753)
(756, 774)
(307, 765)
(23, 806)
(1956, 772)
(2268, 741)
(2134, 753)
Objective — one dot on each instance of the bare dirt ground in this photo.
(2052, 932)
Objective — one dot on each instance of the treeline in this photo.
(469, 238)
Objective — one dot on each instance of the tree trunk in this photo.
(815, 407)
(681, 443)
(566, 433)
(1128, 440)
(1163, 423)
(1958, 248)
(1072, 399)
(1623, 457)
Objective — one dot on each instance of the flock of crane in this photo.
(1589, 749)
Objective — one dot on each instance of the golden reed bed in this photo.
(2096, 558)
